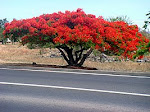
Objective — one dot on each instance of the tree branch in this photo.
(78, 57)
(63, 54)
(85, 56)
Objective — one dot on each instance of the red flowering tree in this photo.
(75, 34)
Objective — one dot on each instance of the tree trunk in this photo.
(76, 58)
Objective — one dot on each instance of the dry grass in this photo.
(120, 66)
(21, 54)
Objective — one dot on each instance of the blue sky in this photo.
(135, 10)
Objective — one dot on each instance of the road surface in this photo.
(24, 90)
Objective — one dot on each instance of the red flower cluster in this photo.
(77, 27)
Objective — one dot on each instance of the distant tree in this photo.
(120, 18)
(2, 23)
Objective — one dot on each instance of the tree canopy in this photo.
(75, 34)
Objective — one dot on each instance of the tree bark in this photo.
(76, 59)
(63, 54)
(85, 56)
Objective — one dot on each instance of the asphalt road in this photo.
(50, 91)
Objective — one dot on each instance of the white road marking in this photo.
(83, 73)
(72, 88)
